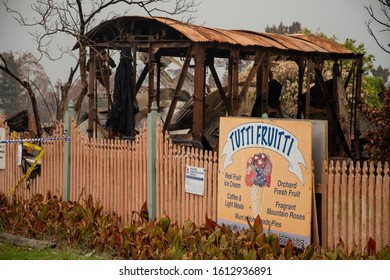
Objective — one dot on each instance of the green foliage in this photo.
(378, 138)
(372, 86)
(13, 252)
(88, 226)
(381, 72)
(295, 27)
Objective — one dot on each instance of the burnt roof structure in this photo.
(160, 36)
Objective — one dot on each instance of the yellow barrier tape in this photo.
(25, 176)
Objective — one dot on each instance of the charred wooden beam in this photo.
(199, 85)
(336, 121)
(158, 82)
(351, 71)
(309, 70)
(301, 71)
(359, 71)
(176, 95)
(151, 64)
(221, 90)
(141, 78)
(256, 64)
(264, 84)
(91, 92)
(235, 58)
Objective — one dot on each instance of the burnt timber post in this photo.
(199, 87)
(301, 72)
(151, 64)
(91, 92)
(359, 72)
(176, 95)
(235, 58)
(264, 70)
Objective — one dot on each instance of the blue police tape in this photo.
(66, 139)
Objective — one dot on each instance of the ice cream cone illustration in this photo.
(257, 195)
(258, 176)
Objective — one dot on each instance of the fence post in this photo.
(152, 119)
(68, 116)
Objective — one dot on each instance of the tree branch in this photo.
(30, 92)
(385, 8)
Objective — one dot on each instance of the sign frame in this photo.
(194, 180)
(265, 169)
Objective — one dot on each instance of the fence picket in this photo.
(371, 208)
(386, 205)
(355, 199)
(350, 202)
(331, 210)
(364, 210)
(378, 206)
(344, 186)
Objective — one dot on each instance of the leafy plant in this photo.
(89, 227)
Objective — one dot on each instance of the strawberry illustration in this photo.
(250, 175)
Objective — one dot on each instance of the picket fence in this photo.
(354, 206)
(114, 172)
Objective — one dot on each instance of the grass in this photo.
(12, 252)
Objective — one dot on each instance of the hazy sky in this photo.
(343, 18)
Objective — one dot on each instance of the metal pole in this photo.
(152, 118)
(68, 116)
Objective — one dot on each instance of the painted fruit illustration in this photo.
(258, 176)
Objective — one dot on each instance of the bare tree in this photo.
(76, 17)
(381, 18)
(26, 84)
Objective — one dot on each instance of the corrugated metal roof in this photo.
(245, 38)
(296, 42)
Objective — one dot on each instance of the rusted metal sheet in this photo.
(171, 29)
(328, 45)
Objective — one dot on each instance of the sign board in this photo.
(265, 169)
(194, 180)
(320, 147)
(2, 148)
(20, 154)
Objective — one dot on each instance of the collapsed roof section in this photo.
(200, 45)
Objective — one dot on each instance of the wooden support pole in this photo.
(309, 69)
(335, 93)
(335, 119)
(351, 71)
(221, 90)
(151, 165)
(257, 62)
(301, 71)
(264, 84)
(141, 78)
(158, 82)
(176, 95)
(235, 56)
(151, 64)
(199, 84)
(68, 126)
(358, 89)
(91, 92)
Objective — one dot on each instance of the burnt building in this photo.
(198, 47)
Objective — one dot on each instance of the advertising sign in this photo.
(265, 169)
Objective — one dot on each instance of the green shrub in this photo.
(88, 226)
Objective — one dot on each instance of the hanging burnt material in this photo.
(18, 122)
(120, 116)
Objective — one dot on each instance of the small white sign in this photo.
(194, 180)
(2, 148)
(20, 154)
